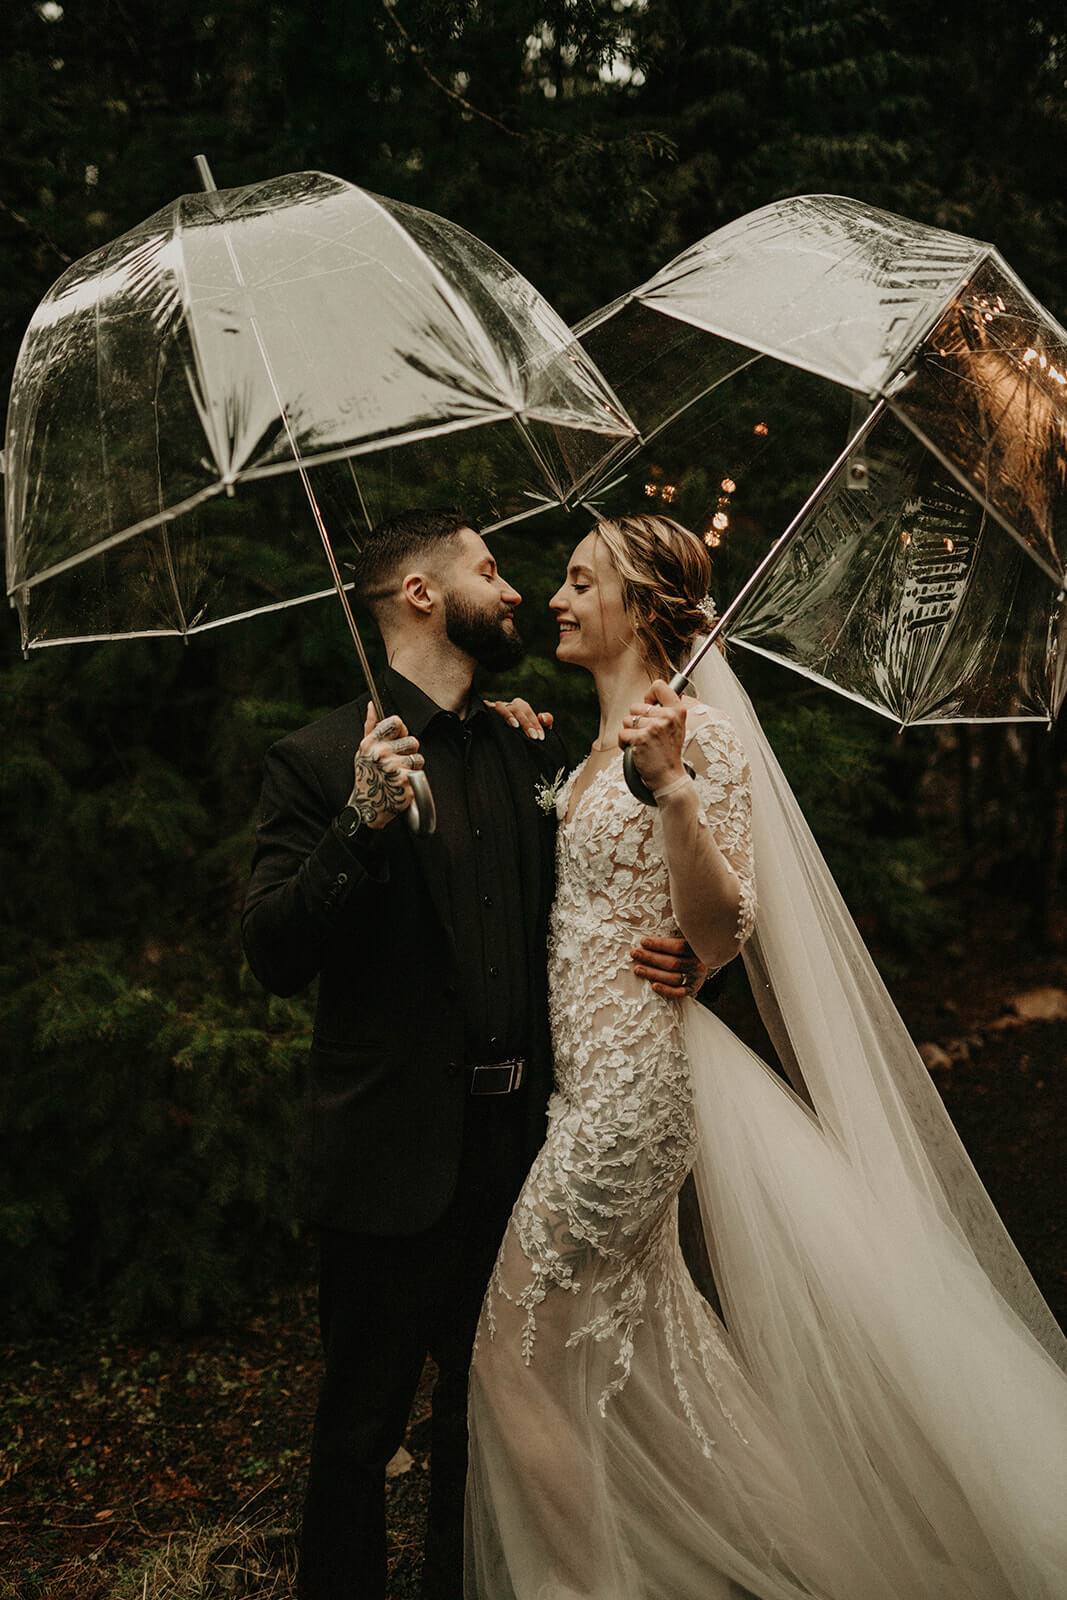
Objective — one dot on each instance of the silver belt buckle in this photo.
(513, 1070)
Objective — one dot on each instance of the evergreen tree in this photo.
(148, 1085)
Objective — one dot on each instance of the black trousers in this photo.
(384, 1303)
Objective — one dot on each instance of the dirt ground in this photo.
(114, 1447)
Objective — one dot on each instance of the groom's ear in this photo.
(420, 592)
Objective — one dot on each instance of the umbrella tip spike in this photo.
(203, 172)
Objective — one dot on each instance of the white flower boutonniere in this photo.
(547, 794)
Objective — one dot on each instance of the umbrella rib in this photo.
(1056, 575)
(485, 350)
(168, 554)
(872, 705)
(102, 546)
(860, 592)
(196, 627)
(538, 455)
(204, 411)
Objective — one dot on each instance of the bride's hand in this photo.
(655, 732)
(521, 714)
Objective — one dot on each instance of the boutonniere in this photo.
(547, 794)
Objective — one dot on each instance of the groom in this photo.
(430, 1065)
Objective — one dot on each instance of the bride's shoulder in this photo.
(701, 718)
(710, 730)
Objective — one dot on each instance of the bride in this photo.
(880, 1414)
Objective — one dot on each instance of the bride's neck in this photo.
(619, 685)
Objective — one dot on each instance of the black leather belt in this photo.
(496, 1077)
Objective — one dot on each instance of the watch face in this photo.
(348, 821)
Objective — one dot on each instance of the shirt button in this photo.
(487, 899)
(477, 833)
(494, 972)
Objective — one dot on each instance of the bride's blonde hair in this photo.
(666, 574)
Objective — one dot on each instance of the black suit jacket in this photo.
(380, 1137)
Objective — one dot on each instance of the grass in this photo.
(243, 1557)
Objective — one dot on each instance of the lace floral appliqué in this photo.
(597, 1219)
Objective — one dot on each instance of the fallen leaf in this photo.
(402, 1462)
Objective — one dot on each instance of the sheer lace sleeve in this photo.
(714, 752)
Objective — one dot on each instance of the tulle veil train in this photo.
(867, 1281)
(884, 1416)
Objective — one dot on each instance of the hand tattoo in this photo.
(376, 791)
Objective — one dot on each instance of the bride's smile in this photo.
(594, 628)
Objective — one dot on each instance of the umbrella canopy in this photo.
(898, 582)
(240, 333)
(902, 596)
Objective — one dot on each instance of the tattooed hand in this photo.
(380, 787)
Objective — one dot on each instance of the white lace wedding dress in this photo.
(837, 1441)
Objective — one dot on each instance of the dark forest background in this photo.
(147, 1083)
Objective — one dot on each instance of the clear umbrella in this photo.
(895, 582)
(237, 335)
(175, 386)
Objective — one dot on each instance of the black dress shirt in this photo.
(476, 823)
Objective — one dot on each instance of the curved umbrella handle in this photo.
(421, 814)
(634, 781)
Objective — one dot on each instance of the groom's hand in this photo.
(380, 787)
(669, 965)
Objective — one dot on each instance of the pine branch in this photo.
(389, 7)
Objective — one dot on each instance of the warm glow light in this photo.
(905, 538)
(728, 485)
(1029, 355)
(712, 540)
(669, 492)
(761, 428)
(720, 521)
(651, 490)
(950, 545)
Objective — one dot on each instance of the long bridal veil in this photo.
(870, 1288)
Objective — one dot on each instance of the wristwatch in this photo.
(348, 822)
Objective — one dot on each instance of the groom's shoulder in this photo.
(547, 754)
(336, 731)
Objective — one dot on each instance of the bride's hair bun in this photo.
(666, 575)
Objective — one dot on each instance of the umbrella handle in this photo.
(634, 781)
(421, 813)
(680, 680)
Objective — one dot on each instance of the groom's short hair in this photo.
(413, 535)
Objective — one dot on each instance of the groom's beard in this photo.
(489, 638)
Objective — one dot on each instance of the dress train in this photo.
(875, 1416)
